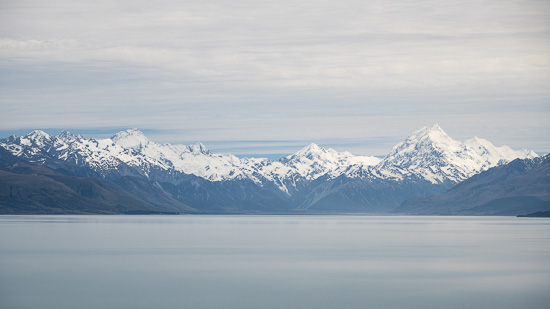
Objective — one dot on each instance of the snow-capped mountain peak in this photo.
(494, 154)
(36, 138)
(199, 148)
(309, 151)
(433, 155)
(429, 135)
(422, 144)
(38, 134)
(313, 161)
(131, 138)
(67, 136)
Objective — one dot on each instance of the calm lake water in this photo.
(274, 262)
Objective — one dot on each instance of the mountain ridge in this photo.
(427, 162)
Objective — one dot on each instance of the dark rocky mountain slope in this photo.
(520, 187)
(30, 189)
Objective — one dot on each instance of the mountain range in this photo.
(169, 178)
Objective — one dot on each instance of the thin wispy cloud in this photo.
(279, 70)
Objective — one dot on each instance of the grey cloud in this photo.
(280, 70)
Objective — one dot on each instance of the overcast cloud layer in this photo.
(271, 76)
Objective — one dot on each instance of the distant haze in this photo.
(269, 77)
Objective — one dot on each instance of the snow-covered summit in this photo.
(433, 155)
(313, 161)
(36, 138)
(199, 148)
(494, 154)
(28, 145)
(131, 138)
(434, 132)
(69, 137)
(423, 143)
(38, 134)
(310, 151)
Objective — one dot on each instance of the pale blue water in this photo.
(274, 262)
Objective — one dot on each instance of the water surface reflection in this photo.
(273, 262)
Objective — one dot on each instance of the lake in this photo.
(301, 261)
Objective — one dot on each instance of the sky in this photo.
(265, 78)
